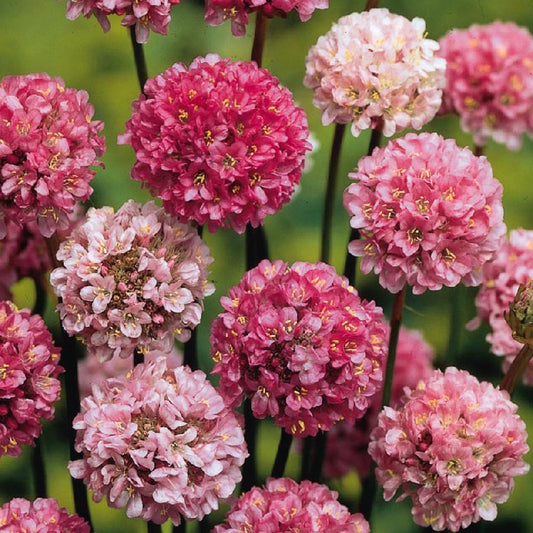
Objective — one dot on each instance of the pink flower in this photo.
(28, 377)
(42, 515)
(160, 442)
(221, 143)
(48, 145)
(131, 280)
(453, 446)
(284, 505)
(430, 213)
(375, 67)
(489, 81)
(301, 344)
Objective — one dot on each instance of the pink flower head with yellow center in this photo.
(430, 213)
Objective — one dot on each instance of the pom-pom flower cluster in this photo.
(300, 342)
(131, 280)
(430, 213)
(453, 446)
(376, 67)
(221, 143)
(48, 144)
(28, 377)
(161, 442)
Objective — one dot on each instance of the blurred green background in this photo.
(36, 37)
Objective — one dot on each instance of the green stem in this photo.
(517, 369)
(282, 454)
(140, 60)
(258, 46)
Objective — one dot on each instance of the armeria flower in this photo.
(160, 442)
(145, 15)
(43, 515)
(48, 144)
(131, 280)
(221, 143)
(218, 11)
(347, 444)
(489, 81)
(430, 213)
(453, 446)
(300, 342)
(28, 377)
(376, 68)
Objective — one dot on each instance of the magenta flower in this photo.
(131, 280)
(48, 145)
(430, 213)
(42, 515)
(301, 344)
(489, 81)
(453, 446)
(28, 377)
(221, 143)
(160, 442)
(376, 67)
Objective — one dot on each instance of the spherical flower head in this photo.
(220, 143)
(41, 515)
(29, 383)
(376, 68)
(131, 280)
(284, 505)
(301, 344)
(160, 442)
(430, 213)
(49, 144)
(489, 81)
(453, 446)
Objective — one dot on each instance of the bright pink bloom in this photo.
(284, 505)
(453, 446)
(28, 377)
(221, 143)
(489, 81)
(430, 213)
(300, 342)
(48, 144)
(131, 280)
(160, 442)
(375, 67)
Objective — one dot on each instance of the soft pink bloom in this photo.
(131, 280)
(48, 144)
(454, 446)
(220, 143)
(301, 344)
(489, 81)
(376, 67)
(430, 213)
(28, 377)
(160, 442)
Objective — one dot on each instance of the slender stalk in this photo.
(256, 246)
(40, 295)
(190, 351)
(282, 454)
(153, 528)
(371, 4)
(249, 474)
(39, 472)
(140, 61)
(261, 23)
(307, 452)
(368, 494)
(318, 459)
(454, 336)
(478, 150)
(203, 526)
(138, 357)
(517, 368)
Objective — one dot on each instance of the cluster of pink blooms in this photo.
(300, 342)
(48, 144)
(376, 68)
(284, 505)
(43, 515)
(131, 280)
(221, 143)
(145, 15)
(489, 81)
(159, 441)
(453, 446)
(430, 213)
(28, 377)
(347, 444)
(511, 267)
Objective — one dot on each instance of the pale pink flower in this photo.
(454, 446)
(376, 67)
(429, 212)
(160, 442)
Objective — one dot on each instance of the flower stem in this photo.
(455, 325)
(249, 474)
(517, 368)
(39, 472)
(371, 4)
(478, 150)
(154, 528)
(261, 23)
(320, 442)
(282, 454)
(140, 61)
(138, 357)
(256, 246)
(307, 451)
